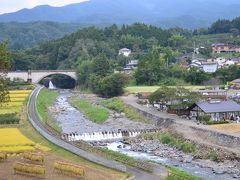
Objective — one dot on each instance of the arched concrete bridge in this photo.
(35, 76)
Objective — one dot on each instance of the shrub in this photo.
(188, 147)
(69, 168)
(168, 138)
(217, 122)
(204, 118)
(212, 155)
(9, 119)
(29, 168)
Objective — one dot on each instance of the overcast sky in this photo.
(7, 6)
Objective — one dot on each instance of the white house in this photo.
(125, 52)
(210, 67)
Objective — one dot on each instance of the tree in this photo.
(113, 85)
(84, 70)
(178, 98)
(196, 77)
(4, 66)
(101, 65)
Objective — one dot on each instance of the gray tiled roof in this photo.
(219, 106)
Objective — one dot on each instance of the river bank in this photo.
(72, 120)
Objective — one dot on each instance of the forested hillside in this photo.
(175, 13)
(25, 35)
(89, 42)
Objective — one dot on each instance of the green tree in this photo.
(101, 65)
(196, 77)
(113, 85)
(4, 66)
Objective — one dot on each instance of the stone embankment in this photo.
(200, 134)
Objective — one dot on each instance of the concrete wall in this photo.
(37, 76)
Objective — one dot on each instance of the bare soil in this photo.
(7, 172)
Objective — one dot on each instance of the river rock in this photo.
(117, 115)
(236, 176)
(188, 159)
(218, 170)
(122, 114)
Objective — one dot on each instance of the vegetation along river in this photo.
(71, 120)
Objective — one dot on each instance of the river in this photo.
(71, 120)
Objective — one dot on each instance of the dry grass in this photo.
(231, 128)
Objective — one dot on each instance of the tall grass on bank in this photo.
(176, 174)
(167, 138)
(46, 98)
(93, 113)
(118, 105)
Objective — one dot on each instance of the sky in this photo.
(7, 6)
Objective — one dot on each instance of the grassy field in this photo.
(94, 113)
(46, 99)
(231, 128)
(139, 89)
(119, 106)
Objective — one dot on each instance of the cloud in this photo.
(7, 6)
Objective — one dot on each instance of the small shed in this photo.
(218, 110)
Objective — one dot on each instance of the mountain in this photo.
(182, 13)
(25, 35)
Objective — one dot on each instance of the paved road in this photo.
(45, 131)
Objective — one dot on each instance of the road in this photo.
(56, 139)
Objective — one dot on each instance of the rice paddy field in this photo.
(16, 103)
(13, 141)
(150, 89)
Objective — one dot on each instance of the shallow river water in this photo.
(71, 120)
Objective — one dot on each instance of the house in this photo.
(209, 67)
(217, 110)
(214, 93)
(222, 47)
(131, 66)
(125, 52)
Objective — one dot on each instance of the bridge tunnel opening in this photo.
(59, 81)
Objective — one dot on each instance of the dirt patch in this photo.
(6, 170)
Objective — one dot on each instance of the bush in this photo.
(204, 118)
(168, 138)
(217, 122)
(9, 119)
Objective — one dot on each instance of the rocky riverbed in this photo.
(73, 121)
(155, 147)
